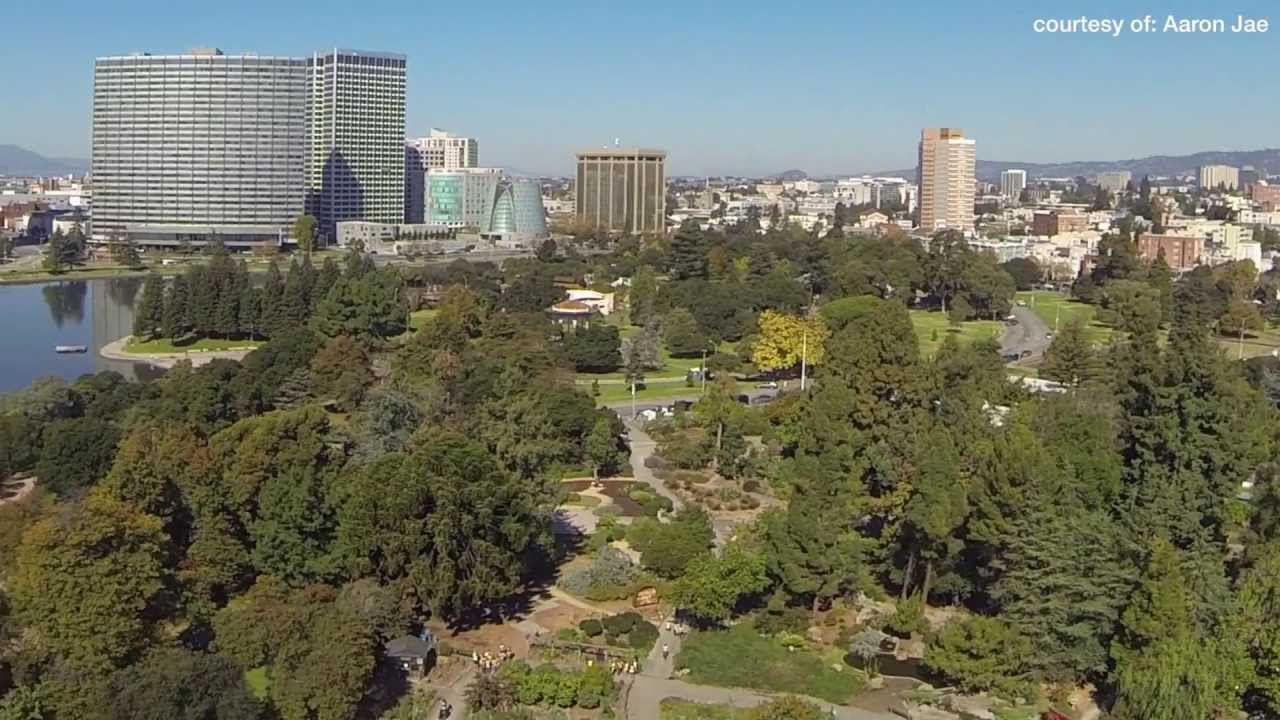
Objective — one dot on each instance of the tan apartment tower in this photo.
(945, 175)
(622, 189)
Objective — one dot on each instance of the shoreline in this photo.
(115, 351)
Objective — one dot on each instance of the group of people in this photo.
(624, 667)
(489, 661)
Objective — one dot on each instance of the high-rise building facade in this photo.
(622, 189)
(1213, 177)
(1012, 183)
(355, 167)
(1114, 181)
(461, 198)
(198, 145)
(945, 175)
(438, 150)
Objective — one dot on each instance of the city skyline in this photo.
(850, 88)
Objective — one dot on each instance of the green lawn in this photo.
(258, 682)
(741, 657)
(1255, 344)
(1057, 309)
(652, 391)
(164, 345)
(932, 327)
(418, 318)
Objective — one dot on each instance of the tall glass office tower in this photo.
(356, 164)
(192, 146)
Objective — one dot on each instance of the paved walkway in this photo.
(642, 447)
(115, 351)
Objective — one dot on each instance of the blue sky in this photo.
(741, 87)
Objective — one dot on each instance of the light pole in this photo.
(804, 357)
(702, 373)
(633, 398)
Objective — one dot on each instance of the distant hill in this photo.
(16, 160)
(790, 176)
(1157, 165)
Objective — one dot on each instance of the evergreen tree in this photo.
(269, 313)
(176, 320)
(938, 507)
(295, 302)
(325, 279)
(642, 296)
(249, 319)
(1070, 358)
(689, 252)
(124, 251)
(148, 316)
(1164, 664)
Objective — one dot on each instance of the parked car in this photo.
(1024, 354)
(1010, 357)
(767, 385)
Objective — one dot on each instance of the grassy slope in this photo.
(927, 324)
(1051, 305)
(717, 658)
(164, 345)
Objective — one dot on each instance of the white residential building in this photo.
(1213, 177)
(1012, 183)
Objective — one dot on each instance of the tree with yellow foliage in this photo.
(784, 338)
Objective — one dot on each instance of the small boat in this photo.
(64, 349)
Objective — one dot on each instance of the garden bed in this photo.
(742, 657)
(617, 491)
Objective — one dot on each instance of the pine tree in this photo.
(688, 252)
(249, 320)
(326, 277)
(148, 317)
(1164, 663)
(1070, 358)
(269, 314)
(295, 301)
(176, 321)
(642, 296)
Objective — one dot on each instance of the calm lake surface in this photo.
(36, 317)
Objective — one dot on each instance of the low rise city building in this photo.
(1181, 253)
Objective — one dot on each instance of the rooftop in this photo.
(646, 152)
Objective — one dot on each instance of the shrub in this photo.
(621, 623)
(692, 476)
(569, 635)
(596, 688)
(655, 462)
(542, 685)
(591, 627)
(778, 619)
(908, 618)
(751, 486)
(610, 570)
(567, 691)
(643, 636)
(982, 654)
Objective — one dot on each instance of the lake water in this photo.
(34, 318)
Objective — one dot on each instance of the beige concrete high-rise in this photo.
(945, 174)
(622, 189)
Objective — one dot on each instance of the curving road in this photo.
(1028, 334)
